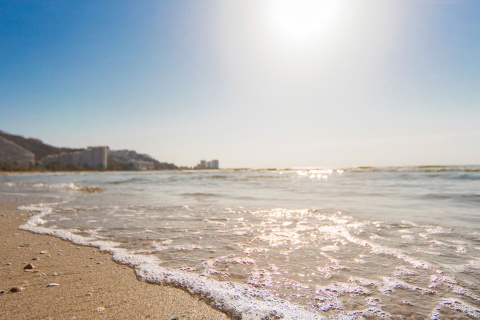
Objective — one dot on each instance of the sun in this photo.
(301, 23)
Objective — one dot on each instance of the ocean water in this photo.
(387, 243)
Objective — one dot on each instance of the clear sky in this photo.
(253, 83)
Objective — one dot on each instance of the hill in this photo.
(117, 160)
(128, 159)
(35, 146)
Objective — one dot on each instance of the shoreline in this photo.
(85, 283)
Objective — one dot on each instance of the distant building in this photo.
(143, 165)
(214, 164)
(135, 161)
(96, 157)
(14, 154)
(92, 157)
(122, 155)
(208, 165)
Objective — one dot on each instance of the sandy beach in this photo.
(74, 282)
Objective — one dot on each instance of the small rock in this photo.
(29, 267)
(43, 252)
(55, 274)
(24, 245)
(36, 258)
(24, 283)
(100, 309)
(16, 289)
(2, 291)
(8, 264)
(99, 262)
(89, 294)
(41, 275)
(52, 285)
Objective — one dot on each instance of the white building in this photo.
(208, 165)
(92, 157)
(143, 165)
(214, 164)
(96, 157)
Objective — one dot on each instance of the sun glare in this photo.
(302, 23)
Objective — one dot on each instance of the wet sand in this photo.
(85, 283)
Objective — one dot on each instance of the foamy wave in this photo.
(390, 285)
(456, 305)
(371, 313)
(453, 286)
(235, 299)
(379, 249)
(41, 209)
(74, 187)
(336, 282)
(60, 186)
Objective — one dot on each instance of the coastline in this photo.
(90, 284)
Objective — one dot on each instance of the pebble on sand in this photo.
(52, 285)
(29, 267)
(16, 289)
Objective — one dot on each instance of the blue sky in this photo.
(256, 83)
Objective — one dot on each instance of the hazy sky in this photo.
(253, 83)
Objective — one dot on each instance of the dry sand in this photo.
(90, 284)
